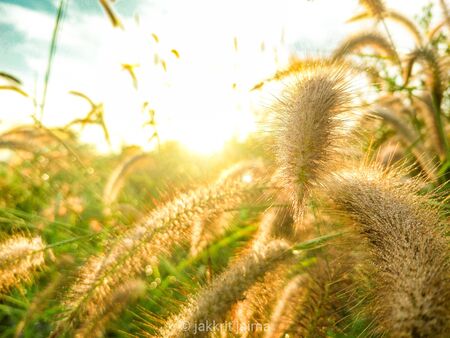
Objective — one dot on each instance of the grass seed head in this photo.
(408, 251)
(311, 123)
(214, 302)
(19, 257)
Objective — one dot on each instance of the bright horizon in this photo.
(214, 53)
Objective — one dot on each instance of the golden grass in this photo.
(408, 262)
(19, 257)
(309, 127)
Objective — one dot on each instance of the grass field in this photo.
(330, 221)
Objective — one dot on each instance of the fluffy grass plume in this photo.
(364, 39)
(310, 123)
(436, 29)
(211, 225)
(409, 263)
(316, 300)
(159, 233)
(119, 300)
(214, 302)
(329, 291)
(376, 8)
(436, 80)
(286, 306)
(397, 17)
(119, 175)
(275, 223)
(424, 106)
(431, 63)
(259, 301)
(411, 139)
(19, 258)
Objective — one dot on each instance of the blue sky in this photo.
(194, 96)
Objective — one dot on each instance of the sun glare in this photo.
(195, 102)
(198, 89)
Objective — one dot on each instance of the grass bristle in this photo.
(376, 8)
(409, 261)
(370, 39)
(159, 233)
(309, 127)
(19, 257)
(214, 302)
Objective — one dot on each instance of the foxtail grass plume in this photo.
(431, 62)
(275, 222)
(214, 302)
(436, 29)
(210, 225)
(119, 175)
(396, 17)
(10, 78)
(408, 262)
(317, 300)
(424, 106)
(411, 139)
(295, 65)
(127, 256)
(436, 80)
(328, 295)
(95, 326)
(364, 39)
(15, 88)
(19, 258)
(39, 303)
(376, 8)
(286, 306)
(259, 301)
(310, 126)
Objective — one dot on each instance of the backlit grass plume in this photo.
(395, 17)
(376, 8)
(436, 80)
(317, 300)
(411, 140)
(364, 39)
(119, 175)
(436, 29)
(309, 127)
(211, 225)
(431, 63)
(278, 223)
(119, 300)
(409, 263)
(126, 257)
(213, 303)
(287, 305)
(259, 301)
(324, 297)
(19, 257)
(424, 106)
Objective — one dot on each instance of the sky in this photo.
(200, 93)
